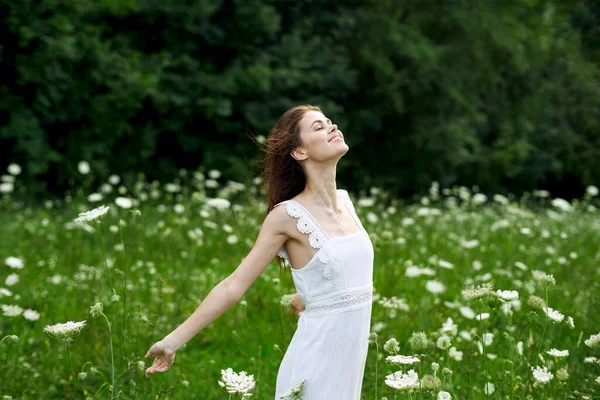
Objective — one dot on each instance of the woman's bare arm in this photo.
(228, 292)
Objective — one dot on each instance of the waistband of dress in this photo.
(340, 301)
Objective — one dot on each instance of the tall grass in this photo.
(152, 271)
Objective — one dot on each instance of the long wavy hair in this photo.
(283, 176)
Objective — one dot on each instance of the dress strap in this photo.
(344, 195)
(307, 223)
(317, 237)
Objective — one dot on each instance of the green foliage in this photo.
(500, 94)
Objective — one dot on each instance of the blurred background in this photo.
(504, 95)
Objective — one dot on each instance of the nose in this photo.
(333, 128)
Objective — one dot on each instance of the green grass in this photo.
(169, 272)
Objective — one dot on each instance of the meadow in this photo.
(496, 296)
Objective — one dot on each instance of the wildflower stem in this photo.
(112, 358)
(123, 326)
(545, 323)
(104, 254)
(421, 378)
(71, 370)
(376, 364)
(487, 392)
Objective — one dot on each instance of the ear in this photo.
(299, 154)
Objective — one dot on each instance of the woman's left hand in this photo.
(164, 357)
(298, 304)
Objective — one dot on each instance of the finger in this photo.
(163, 368)
(148, 354)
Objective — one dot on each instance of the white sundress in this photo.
(329, 347)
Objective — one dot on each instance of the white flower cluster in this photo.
(554, 315)
(476, 292)
(542, 375)
(442, 395)
(403, 360)
(593, 341)
(66, 331)
(403, 381)
(287, 300)
(394, 303)
(294, 393)
(92, 215)
(14, 262)
(507, 295)
(233, 382)
(218, 203)
(558, 353)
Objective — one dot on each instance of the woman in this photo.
(319, 235)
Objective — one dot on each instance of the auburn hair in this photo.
(283, 177)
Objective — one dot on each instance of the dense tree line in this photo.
(502, 94)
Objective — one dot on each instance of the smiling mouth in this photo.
(336, 139)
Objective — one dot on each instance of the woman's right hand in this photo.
(298, 304)
(164, 357)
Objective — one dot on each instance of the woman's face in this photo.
(321, 139)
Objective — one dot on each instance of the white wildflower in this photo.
(453, 353)
(476, 292)
(554, 315)
(507, 295)
(401, 381)
(218, 203)
(93, 215)
(287, 300)
(445, 264)
(449, 327)
(443, 396)
(124, 202)
(444, 342)
(435, 287)
(14, 262)
(593, 341)
(232, 239)
(96, 310)
(94, 197)
(366, 202)
(237, 383)
(66, 331)
(83, 167)
(489, 388)
(214, 174)
(391, 346)
(403, 360)
(11, 279)
(542, 375)
(114, 180)
(561, 204)
(31, 315)
(11, 310)
(294, 393)
(558, 353)
(14, 169)
(469, 244)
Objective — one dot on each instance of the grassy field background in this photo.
(162, 263)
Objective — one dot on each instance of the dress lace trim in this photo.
(318, 238)
(343, 300)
